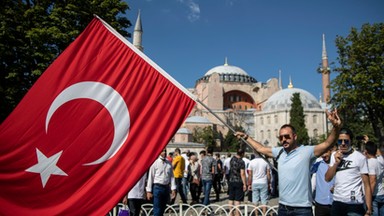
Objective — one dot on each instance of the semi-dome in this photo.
(183, 131)
(282, 100)
(197, 120)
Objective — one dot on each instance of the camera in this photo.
(360, 137)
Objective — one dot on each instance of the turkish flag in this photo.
(88, 129)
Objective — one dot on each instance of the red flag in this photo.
(88, 129)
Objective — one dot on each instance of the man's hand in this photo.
(249, 187)
(149, 195)
(125, 200)
(244, 187)
(334, 118)
(239, 135)
(173, 194)
(338, 157)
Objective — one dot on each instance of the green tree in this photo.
(231, 143)
(359, 86)
(33, 33)
(297, 119)
(205, 135)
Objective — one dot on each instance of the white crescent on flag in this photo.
(110, 99)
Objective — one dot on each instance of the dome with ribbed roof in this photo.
(282, 100)
(226, 69)
(229, 73)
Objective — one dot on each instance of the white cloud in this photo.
(194, 13)
(193, 9)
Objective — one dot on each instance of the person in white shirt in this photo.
(376, 173)
(350, 170)
(258, 181)
(185, 182)
(136, 197)
(227, 166)
(160, 176)
(247, 161)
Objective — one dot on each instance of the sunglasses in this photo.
(346, 141)
(286, 136)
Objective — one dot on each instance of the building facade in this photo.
(232, 97)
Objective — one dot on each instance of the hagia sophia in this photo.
(260, 107)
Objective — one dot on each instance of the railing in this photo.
(202, 210)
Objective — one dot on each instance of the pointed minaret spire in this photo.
(226, 61)
(290, 83)
(324, 54)
(280, 82)
(138, 34)
(325, 74)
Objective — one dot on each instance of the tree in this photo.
(231, 143)
(205, 135)
(297, 119)
(33, 33)
(358, 88)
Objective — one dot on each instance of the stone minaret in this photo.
(138, 34)
(325, 74)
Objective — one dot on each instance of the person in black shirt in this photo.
(237, 185)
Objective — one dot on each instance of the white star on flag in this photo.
(46, 166)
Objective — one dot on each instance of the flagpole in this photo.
(233, 130)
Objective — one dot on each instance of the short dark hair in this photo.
(209, 150)
(240, 152)
(177, 150)
(203, 152)
(371, 148)
(346, 131)
(289, 126)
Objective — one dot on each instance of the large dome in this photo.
(282, 100)
(229, 73)
(226, 69)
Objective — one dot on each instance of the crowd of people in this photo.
(332, 176)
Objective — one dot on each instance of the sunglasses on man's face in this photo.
(346, 141)
(286, 136)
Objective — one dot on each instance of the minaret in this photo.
(280, 81)
(325, 71)
(138, 34)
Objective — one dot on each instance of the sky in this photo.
(187, 38)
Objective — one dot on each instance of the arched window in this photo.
(314, 119)
(268, 120)
(276, 119)
(315, 133)
(261, 120)
(269, 134)
(262, 134)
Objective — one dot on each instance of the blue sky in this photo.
(188, 37)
